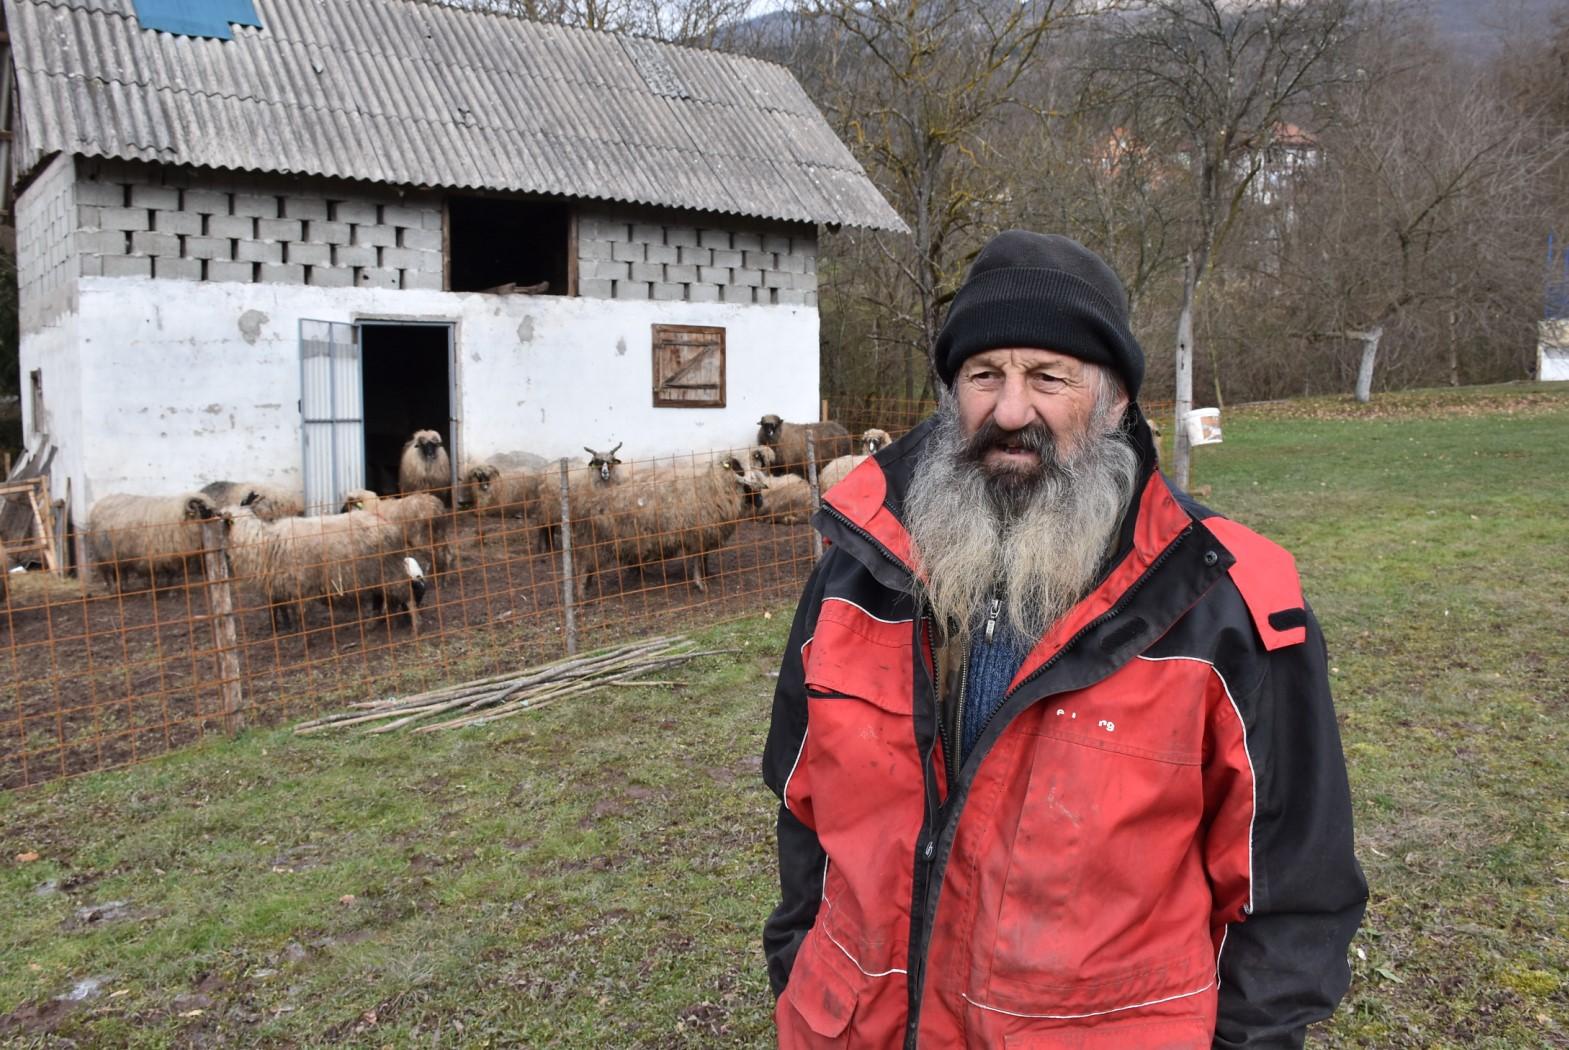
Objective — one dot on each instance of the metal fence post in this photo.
(811, 481)
(567, 578)
(220, 599)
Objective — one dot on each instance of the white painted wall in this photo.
(52, 349)
(184, 383)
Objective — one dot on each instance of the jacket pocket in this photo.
(817, 1005)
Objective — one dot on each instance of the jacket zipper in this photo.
(1110, 614)
(917, 967)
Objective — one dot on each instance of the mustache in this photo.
(1036, 437)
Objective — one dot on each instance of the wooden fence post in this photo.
(220, 599)
(567, 579)
(811, 480)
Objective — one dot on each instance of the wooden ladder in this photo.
(36, 491)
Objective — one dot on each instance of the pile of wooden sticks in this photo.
(502, 696)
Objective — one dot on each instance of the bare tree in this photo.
(921, 92)
(1428, 220)
(684, 21)
(1213, 81)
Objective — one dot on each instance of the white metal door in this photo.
(333, 409)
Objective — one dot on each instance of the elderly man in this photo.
(1054, 745)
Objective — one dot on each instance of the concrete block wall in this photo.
(672, 256)
(146, 220)
(45, 219)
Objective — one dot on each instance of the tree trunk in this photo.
(1184, 385)
(1454, 352)
(1369, 339)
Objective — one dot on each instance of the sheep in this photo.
(788, 441)
(874, 439)
(426, 524)
(424, 466)
(267, 502)
(786, 500)
(837, 470)
(756, 457)
(148, 534)
(667, 514)
(583, 485)
(509, 493)
(350, 557)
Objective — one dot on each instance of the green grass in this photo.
(594, 874)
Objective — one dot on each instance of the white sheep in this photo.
(786, 500)
(267, 502)
(424, 465)
(355, 558)
(424, 519)
(584, 483)
(665, 514)
(148, 535)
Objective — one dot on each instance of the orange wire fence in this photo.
(185, 621)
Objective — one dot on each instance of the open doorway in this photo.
(407, 382)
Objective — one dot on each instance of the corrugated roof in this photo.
(413, 93)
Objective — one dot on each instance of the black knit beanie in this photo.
(1043, 291)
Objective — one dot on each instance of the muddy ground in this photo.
(93, 678)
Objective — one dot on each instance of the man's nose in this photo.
(1013, 410)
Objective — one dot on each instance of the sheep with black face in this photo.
(788, 440)
(424, 465)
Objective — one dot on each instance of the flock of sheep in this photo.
(375, 553)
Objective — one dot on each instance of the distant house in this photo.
(1287, 154)
(270, 241)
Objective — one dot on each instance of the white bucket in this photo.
(1204, 426)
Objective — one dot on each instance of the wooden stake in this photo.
(220, 597)
(567, 580)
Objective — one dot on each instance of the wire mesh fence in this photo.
(189, 619)
(186, 618)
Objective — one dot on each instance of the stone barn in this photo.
(268, 239)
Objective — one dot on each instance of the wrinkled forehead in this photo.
(1023, 359)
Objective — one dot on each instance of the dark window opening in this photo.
(689, 366)
(508, 246)
(406, 380)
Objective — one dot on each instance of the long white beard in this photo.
(1039, 547)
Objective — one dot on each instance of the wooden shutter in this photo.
(689, 366)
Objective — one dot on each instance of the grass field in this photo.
(594, 874)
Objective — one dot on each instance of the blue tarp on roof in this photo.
(209, 18)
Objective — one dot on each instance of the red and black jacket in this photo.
(1148, 847)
